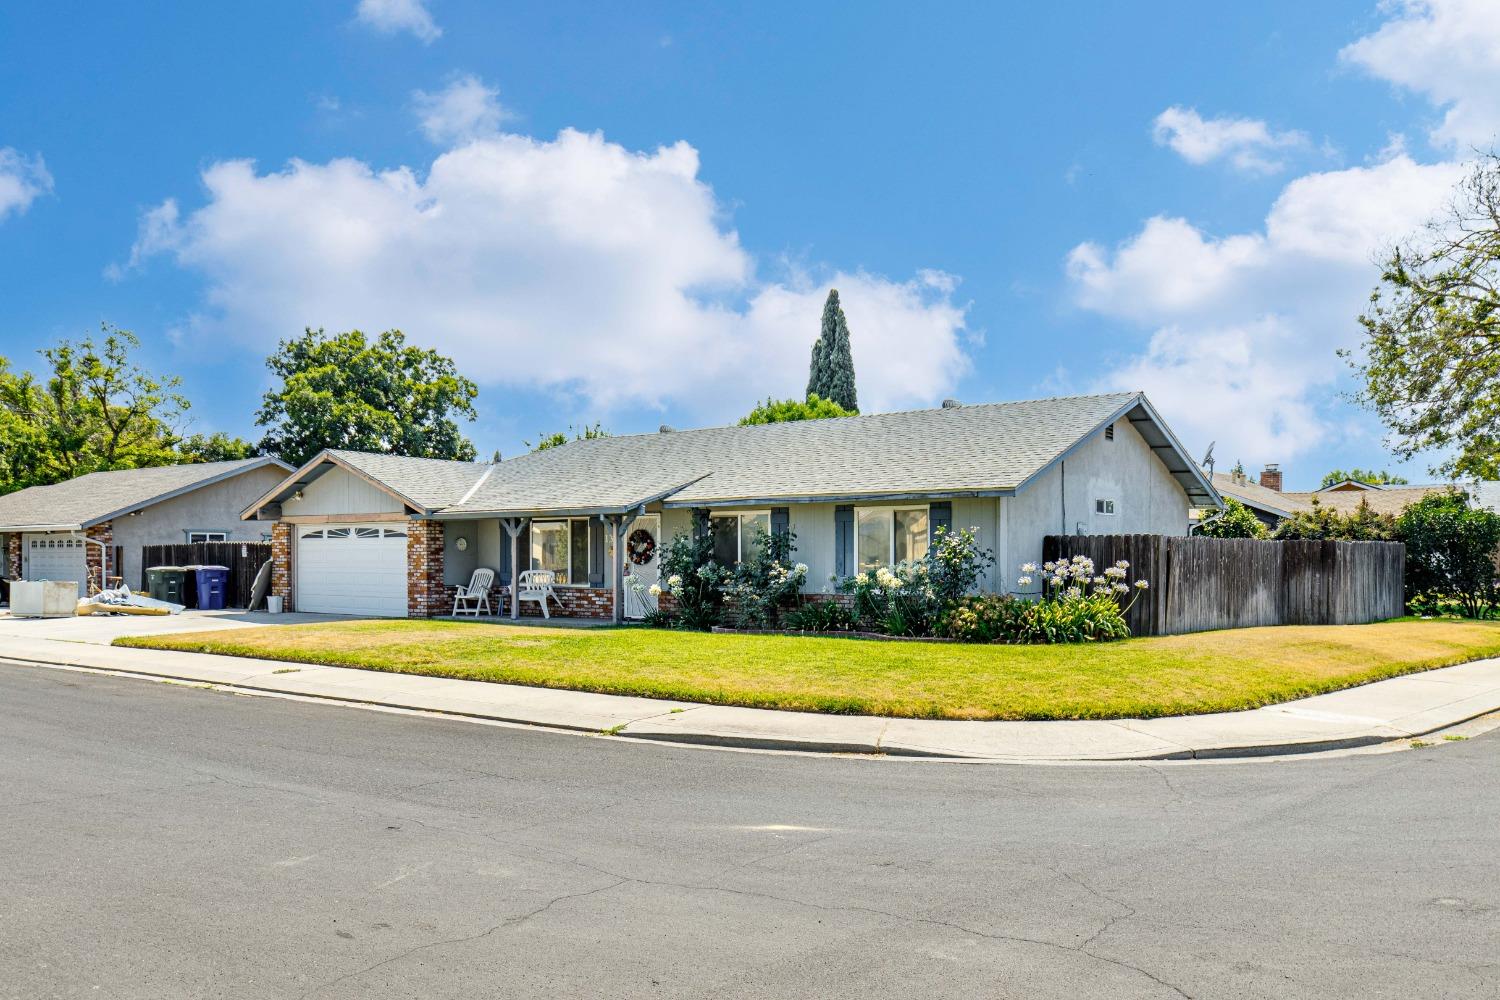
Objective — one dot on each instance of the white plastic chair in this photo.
(536, 585)
(476, 595)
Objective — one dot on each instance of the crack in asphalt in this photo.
(464, 939)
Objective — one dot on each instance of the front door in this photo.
(642, 564)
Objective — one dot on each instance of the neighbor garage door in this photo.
(55, 557)
(351, 569)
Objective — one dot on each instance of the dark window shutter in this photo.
(523, 548)
(596, 552)
(939, 515)
(700, 523)
(781, 520)
(843, 539)
(504, 567)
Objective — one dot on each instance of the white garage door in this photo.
(351, 569)
(55, 557)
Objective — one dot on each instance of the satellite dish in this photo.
(1208, 457)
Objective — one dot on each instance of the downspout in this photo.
(1205, 522)
(1062, 484)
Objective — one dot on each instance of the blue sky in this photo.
(633, 216)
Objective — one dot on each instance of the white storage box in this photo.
(44, 598)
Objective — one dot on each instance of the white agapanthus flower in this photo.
(1023, 581)
(1028, 567)
(1141, 585)
(654, 590)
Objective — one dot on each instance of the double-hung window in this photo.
(887, 536)
(735, 533)
(563, 547)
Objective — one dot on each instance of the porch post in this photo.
(513, 526)
(620, 523)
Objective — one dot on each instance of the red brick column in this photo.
(94, 556)
(281, 563)
(426, 595)
(13, 556)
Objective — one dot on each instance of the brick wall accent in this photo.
(281, 563)
(13, 556)
(426, 594)
(93, 555)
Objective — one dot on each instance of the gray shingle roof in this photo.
(968, 449)
(989, 448)
(99, 496)
(431, 483)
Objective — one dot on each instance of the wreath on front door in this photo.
(641, 546)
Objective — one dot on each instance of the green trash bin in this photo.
(167, 583)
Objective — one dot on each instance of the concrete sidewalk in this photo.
(1387, 710)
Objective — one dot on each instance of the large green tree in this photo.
(1237, 521)
(1430, 365)
(1381, 478)
(347, 391)
(830, 376)
(215, 447)
(779, 411)
(95, 409)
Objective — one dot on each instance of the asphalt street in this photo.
(165, 841)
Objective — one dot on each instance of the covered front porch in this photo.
(582, 566)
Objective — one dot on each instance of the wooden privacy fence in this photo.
(244, 559)
(1199, 583)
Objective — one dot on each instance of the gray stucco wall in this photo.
(1125, 470)
(212, 508)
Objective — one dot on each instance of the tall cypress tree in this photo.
(831, 374)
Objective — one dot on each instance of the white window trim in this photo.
(890, 549)
(1099, 502)
(572, 577)
(223, 535)
(739, 535)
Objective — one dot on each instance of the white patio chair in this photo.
(469, 599)
(536, 585)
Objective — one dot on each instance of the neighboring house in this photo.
(381, 535)
(99, 522)
(1269, 503)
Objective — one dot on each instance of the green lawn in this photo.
(1176, 675)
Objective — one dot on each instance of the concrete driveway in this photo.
(104, 629)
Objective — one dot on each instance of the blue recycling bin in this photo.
(213, 581)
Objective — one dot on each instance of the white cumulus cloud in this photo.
(571, 264)
(1247, 143)
(392, 16)
(465, 109)
(1245, 326)
(22, 180)
(1448, 51)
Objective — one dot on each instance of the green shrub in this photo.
(1074, 618)
(984, 618)
(1326, 524)
(820, 616)
(1450, 551)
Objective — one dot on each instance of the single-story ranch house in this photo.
(1271, 505)
(95, 526)
(360, 533)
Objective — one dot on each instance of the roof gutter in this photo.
(39, 528)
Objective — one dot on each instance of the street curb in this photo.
(861, 748)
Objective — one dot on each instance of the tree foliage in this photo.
(1324, 523)
(1431, 355)
(1237, 521)
(556, 439)
(95, 410)
(831, 373)
(1451, 551)
(345, 391)
(215, 447)
(777, 411)
(1381, 478)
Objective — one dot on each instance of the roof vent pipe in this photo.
(665, 429)
(951, 404)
